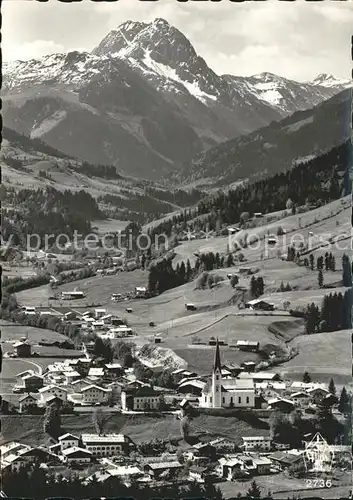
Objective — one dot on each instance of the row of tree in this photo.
(335, 313)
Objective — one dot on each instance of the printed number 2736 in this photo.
(318, 483)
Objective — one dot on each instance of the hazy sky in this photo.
(297, 39)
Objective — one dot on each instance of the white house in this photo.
(77, 385)
(300, 397)
(68, 441)
(70, 376)
(75, 294)
(107, 445)
(94, 394)
(77, 455)
(258, 443)
(140, 291)
(96, 373)
(26, 402)
(142, 398)
(99, 313)
(52, 390)
(227, 392)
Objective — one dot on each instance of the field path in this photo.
(24, 360)
(228, 315)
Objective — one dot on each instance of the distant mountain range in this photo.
(146, 102)
(281, 145)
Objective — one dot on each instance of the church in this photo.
(226, 392)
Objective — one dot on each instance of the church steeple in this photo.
(217, 359)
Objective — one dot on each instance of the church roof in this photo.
(217, 359)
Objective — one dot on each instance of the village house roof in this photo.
(264, 375)
(47, 388)
(104, 439)
(102, 389)
(314, 390)
(199, 384)
(25, 373)
(67, 437)
(259, 301)
(300, 394)
(96, 372)
(256, 438)
(32, 375)
(280, 400)
(164, 465)
(229, 462)
(144, 391)
(27, 396)
(113, 366)
(72, 373)
(75, 450)
(20, 343)
(125, 470)
(81, 381)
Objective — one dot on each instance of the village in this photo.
(87, 383)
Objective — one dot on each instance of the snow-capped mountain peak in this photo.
(327, 80)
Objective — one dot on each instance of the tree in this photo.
(128, 360)
(234, 280)
(254, 491)
(332, 387)
(230, 260)
(344, 402)
(185, 427)
(306, 378)
(52, 421)
(346, 271)
(311, 258)
(202, 281)
(99, 420)
(320, 278)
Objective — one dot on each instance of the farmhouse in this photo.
(119, 332)
(68, 441)
(95, 395)
(248, 366)
(248, 345)
(77, 455)
(33, 382)
(155, 470)
(300, 397)
(225, 393)
(96, 373)
(99, 313)
(284, 405)
(198, 473)
(262, 464)
(140, 291)
(230, 468)
(194, 387)
(73, 295)
(258, 443)
(317, 394)
(22, 349)
(107, 445)
(261, 305)
(27, 402)
(143, 398)
(52, 390)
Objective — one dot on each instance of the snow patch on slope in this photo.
(170, 74)
(48, 124)
(296, 126)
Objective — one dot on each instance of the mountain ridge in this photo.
(145, 101)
